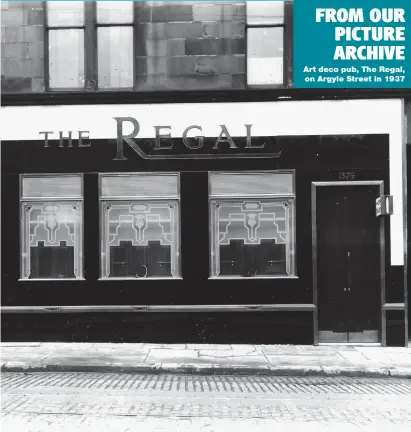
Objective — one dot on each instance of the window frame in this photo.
(90, 27)
(68, 199)
(287, 26)
(292, 197)
(102, 200)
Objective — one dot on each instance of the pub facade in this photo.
(273, 215)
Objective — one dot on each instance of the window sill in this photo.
(52, 280)
(105, 279)
(251, 278)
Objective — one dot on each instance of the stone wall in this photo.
(22, 47)
(179, 46)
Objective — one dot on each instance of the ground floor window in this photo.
(140, 222)
(252, 224)
(51, 223)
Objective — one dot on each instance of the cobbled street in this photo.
(130, 402)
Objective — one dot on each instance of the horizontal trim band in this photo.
(154, 97)
(394, 306)
(160, 308)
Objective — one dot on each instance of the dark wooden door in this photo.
(348, 264)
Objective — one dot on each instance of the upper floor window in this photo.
(90, 44)
(252, 217)
(265, 43)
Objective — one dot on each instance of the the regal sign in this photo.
(192, 145)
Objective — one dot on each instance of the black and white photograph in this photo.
(188, 240)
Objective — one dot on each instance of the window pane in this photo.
(140, 239)
(118, 12)
(65, 13)
(49, 187)
(66, 58)
(265, 52)
(251, 184)
(115, 57)
(52, 240)
(140, 185)
(265, 12)
(252, 238)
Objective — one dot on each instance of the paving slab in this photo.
(207, 358)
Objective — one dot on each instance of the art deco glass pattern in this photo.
(252, 236)
(140, 239)
(51, 240)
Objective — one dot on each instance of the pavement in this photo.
(303, 360)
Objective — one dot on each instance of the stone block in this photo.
(35, 50)
(206, 82)
(208, 46)
(156, 65)
(140, 66)
(155, 47)
(176, 47)
(239, 12)
(181, 65)
(17, 68)
(14, 50)
(223, 29)
(160, 48)
(143, 12)
(14, 17)
(37, 85)
(35, 17)
(172, 13)
(151, 66)
(149, 83)
(238, 46)
(24, 34)
(37, 67)
(183, 30)
(34, 33)
(15, 84)
(220, 64)
(238, 64)
(150, 31)
(238, 29)
(239, 81)
(212, 12)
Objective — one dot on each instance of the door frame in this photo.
(314, 186)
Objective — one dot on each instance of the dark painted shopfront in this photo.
(227, 238)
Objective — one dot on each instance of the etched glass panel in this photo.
(252, 238)
(65, 13)
(226, 184)
(51, 187)
(66, 58)
(51, 240)
(140, 185)
(140, 239)
(265, 56)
